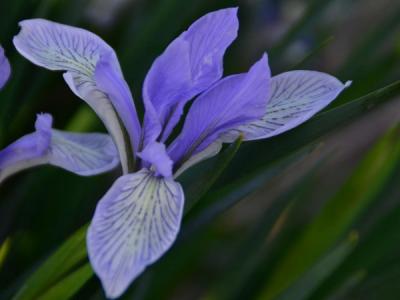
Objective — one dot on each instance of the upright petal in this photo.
(5, 69)
(235, 100)
(135, 223)
(295, 97)
(189, 65)
(81, 153)
(60, 47)
(109, 80)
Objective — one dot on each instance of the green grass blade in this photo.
(309, 281)
(222, 199)
(71, 253)
(338, 214)
(259, 243)
(4, 250)
(66, 288)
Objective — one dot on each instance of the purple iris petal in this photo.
(30, 146)
(84, 154)
(189, 65)
(135, 223)
(81, 153)
(30, 150)
(110, 81)
(156, 155)
(76, 51)
(43, 126)
(235, 100)
(5, 69)
(295, 97)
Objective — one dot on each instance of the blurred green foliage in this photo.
(327, 233)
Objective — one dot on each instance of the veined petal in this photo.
(233, 101)
(135, 223)
(81, 153)
(109, 80)
(5, 68)
(156, 155)
(84, 154)
(60, 47)
(295, 97)
(189, 65)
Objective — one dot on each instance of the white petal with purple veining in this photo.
(295, 97)
(61, 47)
(81, 153)
(135, 223)
(84, 154)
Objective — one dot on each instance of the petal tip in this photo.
(348, 83)
(43, 127)
(43, 122)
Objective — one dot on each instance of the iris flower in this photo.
(139, 218)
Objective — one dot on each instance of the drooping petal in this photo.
(155, 154)
(109, 80)
(81, 153)
(135, 223)
(5, 68)
(76, 51)
(84, 154)
(189, 65)
(233, 101)
(295, 97)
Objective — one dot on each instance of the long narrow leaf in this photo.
(71, 253)
(338, 214)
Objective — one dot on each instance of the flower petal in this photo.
(135, 223)
(28, 151)
(60, 47)
(81, 153)
(84, 154)
(43, 127)
(5, 68)
(189, 65)
(156, 155)
(295, 97)
(233, 101)
(110, 81)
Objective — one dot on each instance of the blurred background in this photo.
(311, 214)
